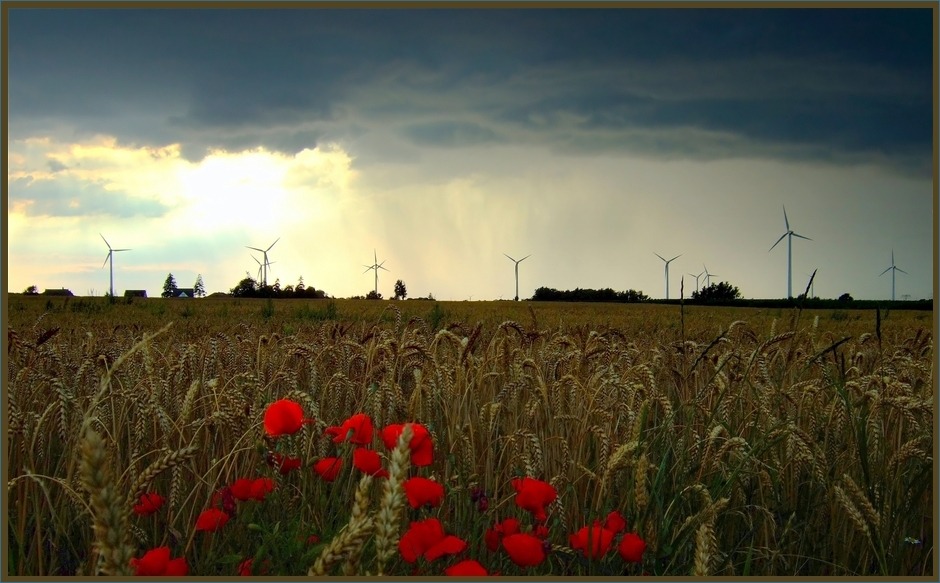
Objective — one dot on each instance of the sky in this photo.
(443, 140)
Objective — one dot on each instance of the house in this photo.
(58, 292)
(135, 293)
(185, 292)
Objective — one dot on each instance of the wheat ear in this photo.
(388, 519)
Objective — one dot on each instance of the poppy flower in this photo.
(468, 568)
(261, 488)
(594, 541)
(421, 491)
(525, 550)
(328, 468)
(615, 522)
(541, 531)
(533, 495)
(632, 547)
(313, 539)
(426, 538)
(494, 535)
(157, 562)
(244, 568)
(421, 445)
(358, 429)
(149, 503)
(241, 489)
(283, 417)
(368, 461)
(284, 464)
(225, 498)
(211, 520)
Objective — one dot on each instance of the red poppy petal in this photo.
(632, 547)
(211, 520)
(615, 522)
(153, 562)
(525, 550)
(421, 491)
(328, 468)
(450, 545)
(241, 489)
(467, 568)
(177, 568)
(283, 417)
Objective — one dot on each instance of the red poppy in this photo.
(261, 488)
(211, 520)
(284, 464)
(494, 535)
(632, 547)
(594, 541)
(421, 491)
(421, 445)
(525, 550)
(328, 468)
(157, 562)
(358, 429)
(313, 539)
(244, 568)
(615, 522)
(541, 531)
(283, 417)
(533, 495)
(426, 538)
(468, 568)
(149, 503)
(225, 498)
(368, 461)
(241, 489)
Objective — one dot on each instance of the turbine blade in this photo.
(273, 244)
(785, 220)
(108, 256)
(524, 258)
(901, 270)
(778, 240)
(367, 270)
(801, 236)
(510, 258)
(105, 241)
(660, 256)
(674, 258)
(116, 250)
(255, 248)
(885, 271)
(385, 268)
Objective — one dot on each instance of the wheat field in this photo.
(734, 442)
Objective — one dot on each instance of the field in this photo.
(732, 442)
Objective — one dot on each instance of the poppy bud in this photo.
(483, 504)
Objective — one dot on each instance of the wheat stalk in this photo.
(110, 511)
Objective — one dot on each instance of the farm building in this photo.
(135, 293)
(184, 292)
(58, 292)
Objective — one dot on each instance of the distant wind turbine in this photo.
(376, 266)
(708, 276)
(517, 272)
(110, 259)
(893, 269)
(264, 267)
(789, 234)
(696, 280)
(667, 269)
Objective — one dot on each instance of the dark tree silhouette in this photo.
(717, 292)
(169, 287)
(400, 290)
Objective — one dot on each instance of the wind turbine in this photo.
(789, 235)
(110, 259)
(517, 272)
(696, 280)
(708, 276)
(376, 266)
(264, 267)
(892, 269)
(667, 269)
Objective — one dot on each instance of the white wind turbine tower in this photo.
(696, 280)
(110, 259)
(517, 272)
(667, 269)
(789, 234)
(708, 276)
(376, 266)
(264, 267)
(893, 269)
(261, 267)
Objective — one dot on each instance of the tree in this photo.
(717, 292)
(299, 288)
(400, 290)
(246, 288)
(846, 298)
(372, 295)
(169, 287)
(31, 291)
(199, 289)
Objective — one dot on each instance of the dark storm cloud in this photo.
(848, 82)
(65, 197)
